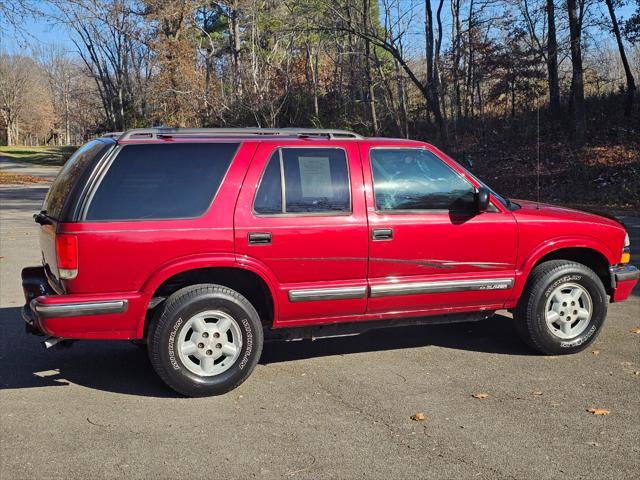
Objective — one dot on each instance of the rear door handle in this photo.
(260, 238)
(382, 234)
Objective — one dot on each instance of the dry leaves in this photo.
(480, 396)
(598, 411)
(596, 352)
(419, 417)
(635, 330)
(7, 178)
(536, 393)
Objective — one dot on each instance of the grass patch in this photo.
(39, 155)
(7, 178)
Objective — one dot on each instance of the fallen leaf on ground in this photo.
(596, 352)
(635, 330)
(598, 411)
(536, 392)
(480, 396)
(418, 417)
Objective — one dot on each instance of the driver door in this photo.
(428, 250)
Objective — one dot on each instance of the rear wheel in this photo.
(207, 340)
(562, 309)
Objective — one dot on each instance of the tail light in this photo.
(67, 256)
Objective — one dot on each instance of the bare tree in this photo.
(16, 79)
(577, 77)
(631, 84)
(552, 57)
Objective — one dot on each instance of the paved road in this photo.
(335, 408)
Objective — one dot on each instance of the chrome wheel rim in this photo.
(209, 343)
(568, 310)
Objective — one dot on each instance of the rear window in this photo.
(67, 179)
(159, 181)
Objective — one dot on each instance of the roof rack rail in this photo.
(162, 132)
(114, 135)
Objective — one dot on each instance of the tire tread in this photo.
(525, 313)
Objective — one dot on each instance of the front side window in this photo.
(416, 179)
(159, 181)
(304, 180)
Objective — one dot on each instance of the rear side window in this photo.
(315, 180)
(68, 178)
(159, 181)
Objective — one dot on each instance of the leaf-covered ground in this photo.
(604, 173)
(7, 178)
(39, 155)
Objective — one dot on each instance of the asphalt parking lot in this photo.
(336, 408)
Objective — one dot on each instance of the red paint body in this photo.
(130, 260)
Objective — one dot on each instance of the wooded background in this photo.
(499, 81)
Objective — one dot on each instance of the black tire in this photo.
(165, 331)
(529, 315)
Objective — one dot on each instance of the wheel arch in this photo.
(590, 252)
(253, 283)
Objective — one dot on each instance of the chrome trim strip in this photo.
(418, 288)
(78, 309)
(314, 294)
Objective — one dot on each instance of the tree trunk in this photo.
(234, 31)
(371, 99)
(552, 59)
(631, 84)
(577, 79)
(456, 44)
(432, 89)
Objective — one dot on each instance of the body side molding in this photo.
(314, 294)
(447, 286)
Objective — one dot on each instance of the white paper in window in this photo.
(315, 177)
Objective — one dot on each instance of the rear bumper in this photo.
(103, 316)
(623, 279)
(63, 310)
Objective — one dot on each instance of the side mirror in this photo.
(482, 199)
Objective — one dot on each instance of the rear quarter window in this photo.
(161, 181)
(72, 176)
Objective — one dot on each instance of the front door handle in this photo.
(260, 238)
(382, 234)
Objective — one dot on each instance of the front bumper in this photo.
(97, 316)
(623, 279)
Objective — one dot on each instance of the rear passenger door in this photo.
(301, 217)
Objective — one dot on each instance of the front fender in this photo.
(550, 245)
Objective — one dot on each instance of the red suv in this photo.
(201, 243)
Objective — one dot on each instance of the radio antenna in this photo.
(538, 154)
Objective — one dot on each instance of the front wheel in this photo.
(207, 340)
(562, 309)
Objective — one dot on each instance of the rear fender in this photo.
(194, 262)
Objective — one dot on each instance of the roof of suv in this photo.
(146, 135)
